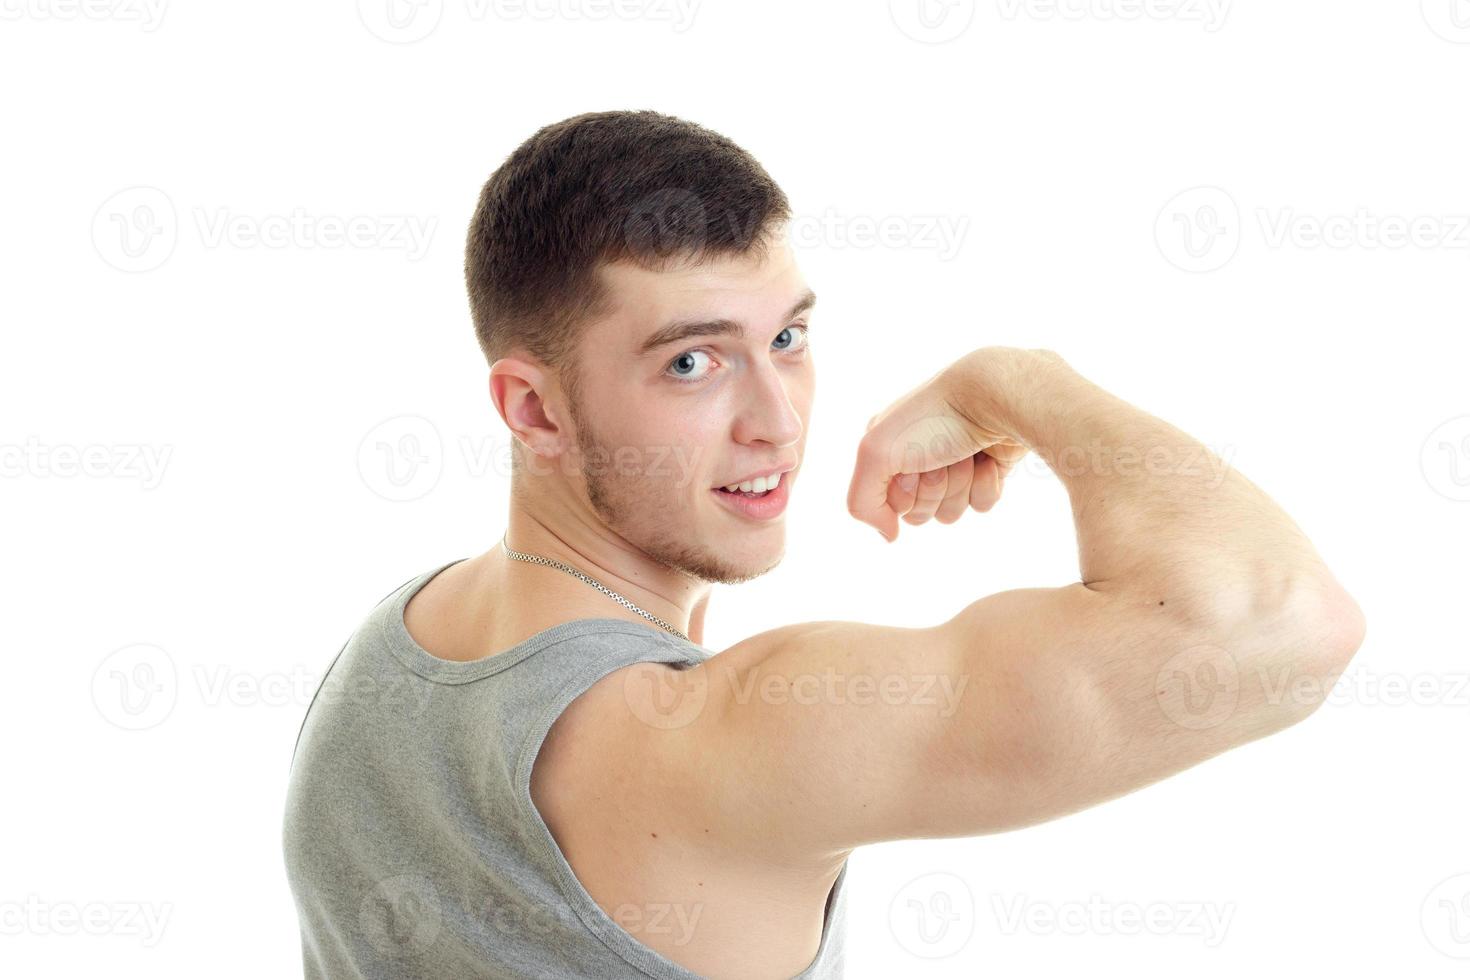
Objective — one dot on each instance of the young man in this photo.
(524, 763)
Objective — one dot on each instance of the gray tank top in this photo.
(411, 843)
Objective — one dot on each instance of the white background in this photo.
(197, 512)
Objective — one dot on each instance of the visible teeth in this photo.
(759, 485)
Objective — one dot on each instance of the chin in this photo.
(729, 559)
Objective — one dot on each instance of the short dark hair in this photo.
(602, 187)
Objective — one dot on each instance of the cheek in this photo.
(668, 449)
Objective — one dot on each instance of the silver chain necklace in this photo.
(541, 560)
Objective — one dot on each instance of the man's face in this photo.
(659, 429)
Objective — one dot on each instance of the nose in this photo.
(768, 414)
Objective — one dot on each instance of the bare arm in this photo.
(1197, 596)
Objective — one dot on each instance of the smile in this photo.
(759, 505)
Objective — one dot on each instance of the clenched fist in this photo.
(940, 449)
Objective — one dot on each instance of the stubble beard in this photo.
(626, 506)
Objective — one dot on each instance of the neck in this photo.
(602, 554)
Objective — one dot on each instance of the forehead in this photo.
(748, 287)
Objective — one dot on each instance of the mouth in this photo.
(757, 504)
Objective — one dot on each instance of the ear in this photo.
(519, 390)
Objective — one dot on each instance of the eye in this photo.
(804, 338)
(687, 361)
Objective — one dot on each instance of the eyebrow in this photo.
(683, 329)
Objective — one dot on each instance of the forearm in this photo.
(1159, 516)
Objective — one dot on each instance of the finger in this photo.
(985, 488)
(902, 490)
(910, 437)
(867, 494)
(931, 489)
(957, 491)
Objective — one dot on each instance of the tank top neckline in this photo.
(423, 663)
